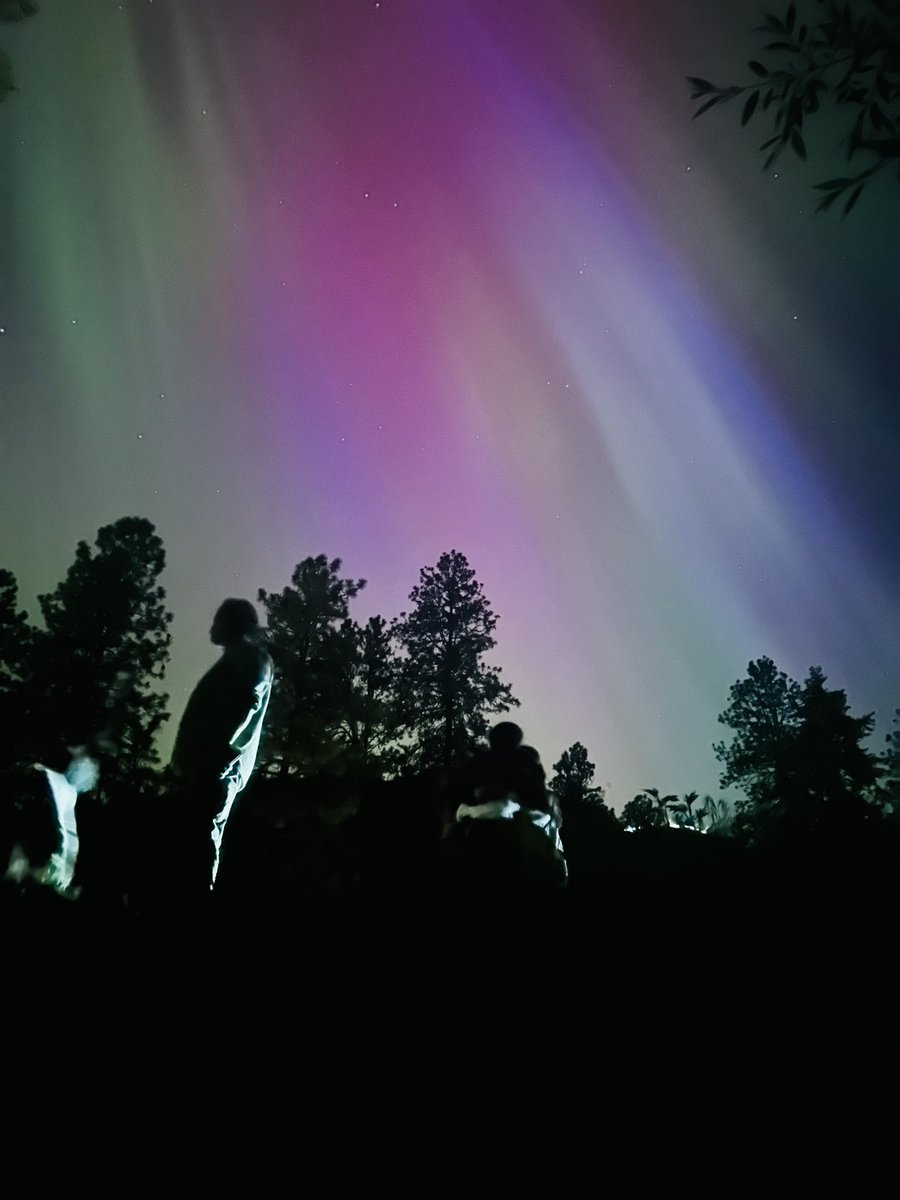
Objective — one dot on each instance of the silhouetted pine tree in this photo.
(798, 754)
(370, 722)
(588, 825)
(891, 763)
(104, 649)
(16, 666)
(445, 690)
(572, 781)
(315, 651)
(824, 778)
(764, 713)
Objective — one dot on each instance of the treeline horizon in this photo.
(393, 699)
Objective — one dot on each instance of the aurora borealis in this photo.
(379, 280)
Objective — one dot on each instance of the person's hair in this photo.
(236, 618)
(505, 735)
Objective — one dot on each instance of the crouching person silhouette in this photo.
(216, 745)
(501, 826)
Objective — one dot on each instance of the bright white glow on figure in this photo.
(81, 775)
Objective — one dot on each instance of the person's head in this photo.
(533, 759)
(83, 772)
(505, 735)
(234, 619)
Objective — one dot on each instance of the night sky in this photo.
(381, 280)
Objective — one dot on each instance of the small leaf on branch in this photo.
(855, 135)
(854, 196)
(878, 119)
(798, 145)
(757, 68)
(826, 202)
(749, 107)
(771, 158)
(708, 104)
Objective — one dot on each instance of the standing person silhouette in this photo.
(218, 740)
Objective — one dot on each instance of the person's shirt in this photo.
(222, 722)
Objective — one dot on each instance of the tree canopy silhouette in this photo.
(572, 781)
(315, 650)
(105, 647)
(588, 824)
(798, 754)
(824, 776)
(641, 813)
(843, 61)
(12, 10)
(16, 635)
(892, 766)
(764, 713)
(445, 690)
(370, 721)
(16, 665)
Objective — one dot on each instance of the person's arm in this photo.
(555, 809)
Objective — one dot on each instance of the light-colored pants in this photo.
(220, 820)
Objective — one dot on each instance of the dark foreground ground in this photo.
(345, 967)
(650, 949)
(339, 986)
(405, 1034)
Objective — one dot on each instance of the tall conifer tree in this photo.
(446, 689)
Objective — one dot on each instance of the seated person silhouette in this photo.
(217, 742)
(499, 822)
